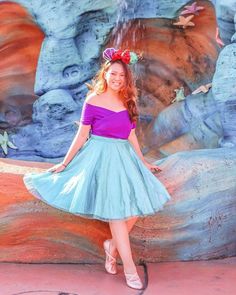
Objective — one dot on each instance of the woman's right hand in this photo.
(57, 168)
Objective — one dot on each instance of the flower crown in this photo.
(128, 57)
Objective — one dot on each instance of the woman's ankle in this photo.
(130, 269)
(113, 248)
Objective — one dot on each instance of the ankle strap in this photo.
(131, 275)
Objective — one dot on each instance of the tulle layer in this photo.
(106, 180)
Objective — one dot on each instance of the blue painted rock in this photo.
(224, 82)
(47, 13)
(225, 12)
(224, 91)
(199, 222)
(196, 116)
(47, 130)
(69, 57)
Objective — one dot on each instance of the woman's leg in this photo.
(120, 235)
(129, 224)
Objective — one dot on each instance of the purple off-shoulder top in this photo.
(105, 122)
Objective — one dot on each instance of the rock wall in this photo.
(63, 67)
(194, 134)
(224, 85)
(198, 223)
(20, 44)
(173, 58)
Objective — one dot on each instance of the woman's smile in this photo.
(115, 77)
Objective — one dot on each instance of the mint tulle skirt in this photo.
(105, 180)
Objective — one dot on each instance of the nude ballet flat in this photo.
(133, 281)
(110, 263)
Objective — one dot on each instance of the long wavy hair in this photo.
(128, 93)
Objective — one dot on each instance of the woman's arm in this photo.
(79, 140)
(134, 141)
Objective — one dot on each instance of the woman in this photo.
(106, 177)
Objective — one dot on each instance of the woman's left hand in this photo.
(152, 168)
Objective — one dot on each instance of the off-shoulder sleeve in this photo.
(133, 125)
(86, 115)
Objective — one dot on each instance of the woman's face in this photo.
(115, 77)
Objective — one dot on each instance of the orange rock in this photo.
(173, 57)
(32, 231)
(21, 40)
(197, 223)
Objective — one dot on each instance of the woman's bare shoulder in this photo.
(92, 98)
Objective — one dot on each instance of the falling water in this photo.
(126, 12)
(122, 6)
